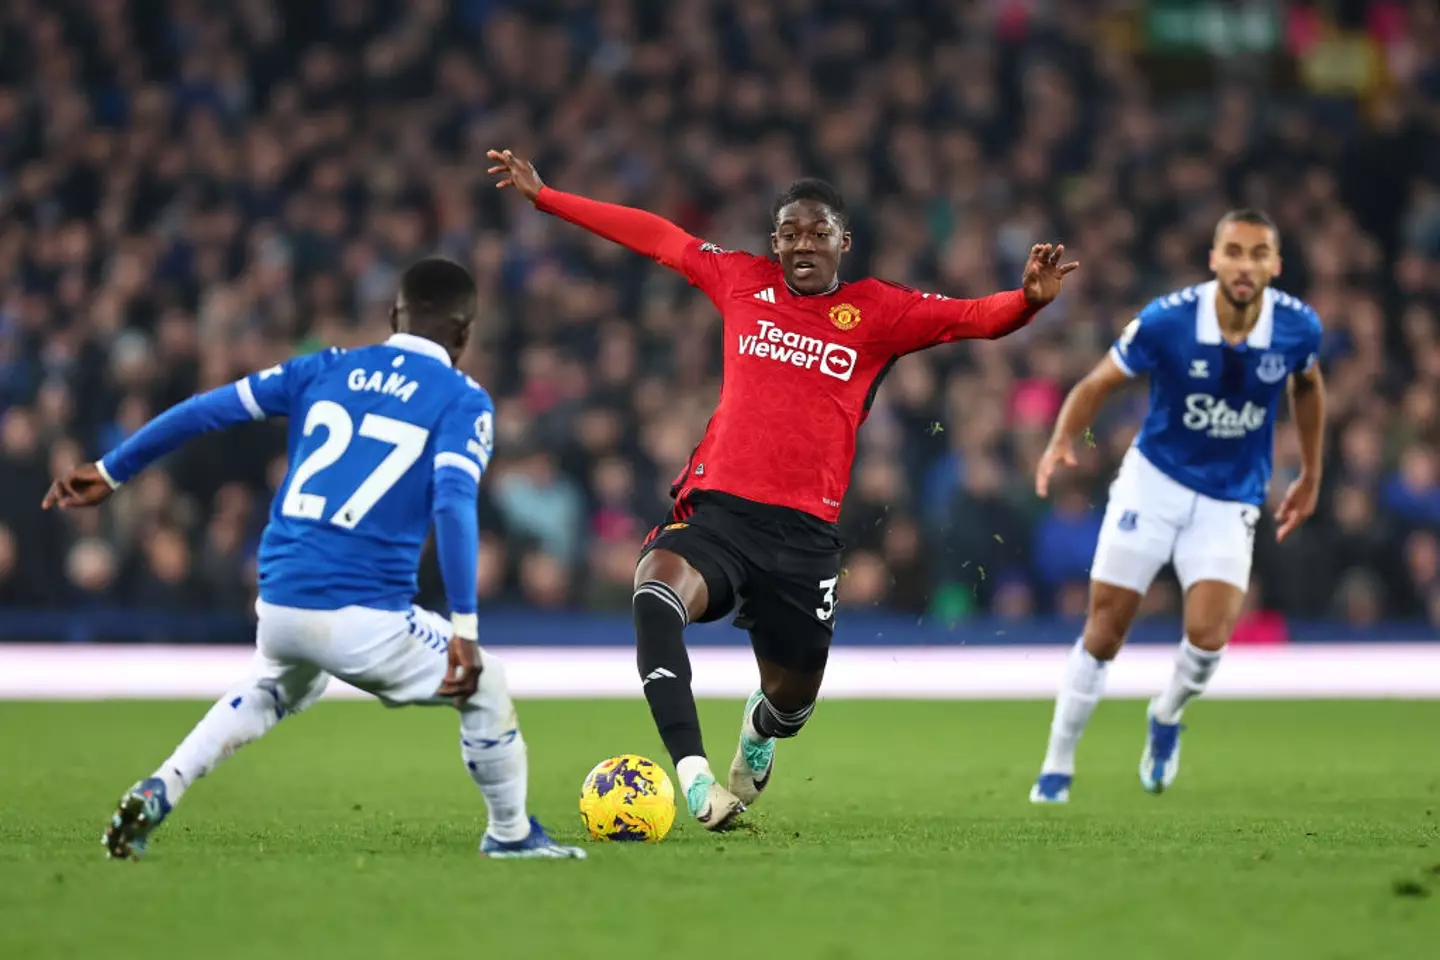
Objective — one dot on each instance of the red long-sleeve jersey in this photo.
(800, 372)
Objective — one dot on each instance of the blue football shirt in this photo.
(368, 430)
(1211, 422)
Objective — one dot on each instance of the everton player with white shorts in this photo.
(384, 440)
(1190, 490)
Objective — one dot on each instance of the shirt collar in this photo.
(823, 293)
(1207, 322)
(413, 344)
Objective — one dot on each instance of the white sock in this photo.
(689, 768)
(748, 731)
(495, 755)
(241, 716)
(1084, 685)
(501, 770)
(1193, 669)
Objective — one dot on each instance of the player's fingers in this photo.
(462, 686)
(1067, 457)
(1056, 253)
(51, 497)
(507, 182)
(494, 155)
(1068, 268)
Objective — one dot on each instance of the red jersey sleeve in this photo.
(705, 265)
(927, 319)
(713, 270)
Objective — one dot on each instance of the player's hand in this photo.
(1298, 505)
(1044, 273)
(81, 487)
(1060, 450)
(462, 670)
(515, 172)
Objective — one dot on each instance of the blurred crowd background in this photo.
(193, 190)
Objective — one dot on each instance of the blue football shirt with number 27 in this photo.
(368, 429)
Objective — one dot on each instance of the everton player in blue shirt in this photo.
(384, 440)
(1191, 487)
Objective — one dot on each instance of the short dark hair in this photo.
(812, 188)
(1250, 215)
(438, 292)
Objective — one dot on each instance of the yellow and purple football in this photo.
(628, 798)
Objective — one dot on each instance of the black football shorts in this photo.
(777, 567)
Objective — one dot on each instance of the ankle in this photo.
(689, 769)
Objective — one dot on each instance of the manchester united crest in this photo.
(846, 316)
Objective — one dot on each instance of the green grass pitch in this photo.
(891, 830)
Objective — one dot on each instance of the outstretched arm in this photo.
(91, 483)
(1077, 413)
(931, 319)
(643, 232)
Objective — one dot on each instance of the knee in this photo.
(1209, 634)
(1103, 635)
(789, 692)
(286, 699)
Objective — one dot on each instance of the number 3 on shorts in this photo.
(827, 597)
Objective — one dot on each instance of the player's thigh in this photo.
(397, 655)
(1217, 544)
(284, 666)
(789, 611)
(699, 562)
(1213, 556)
(1138, 532)
(292, 684)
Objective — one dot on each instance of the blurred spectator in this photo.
(189, 192)
(92, 570)
(1065, 539)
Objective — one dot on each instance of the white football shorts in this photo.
(398, 655)
(1152, 520)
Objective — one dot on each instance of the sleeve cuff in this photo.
(465, 625)
(1120, 362)
(105, 475)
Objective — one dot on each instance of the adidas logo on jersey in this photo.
(1220, 420)
(798, 350)
(768, 295)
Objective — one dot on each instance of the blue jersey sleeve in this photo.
(1137, 350)
(216, 410)
(464, 441)
(273, 392)
(267, 393)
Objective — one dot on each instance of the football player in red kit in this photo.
(753, 526)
